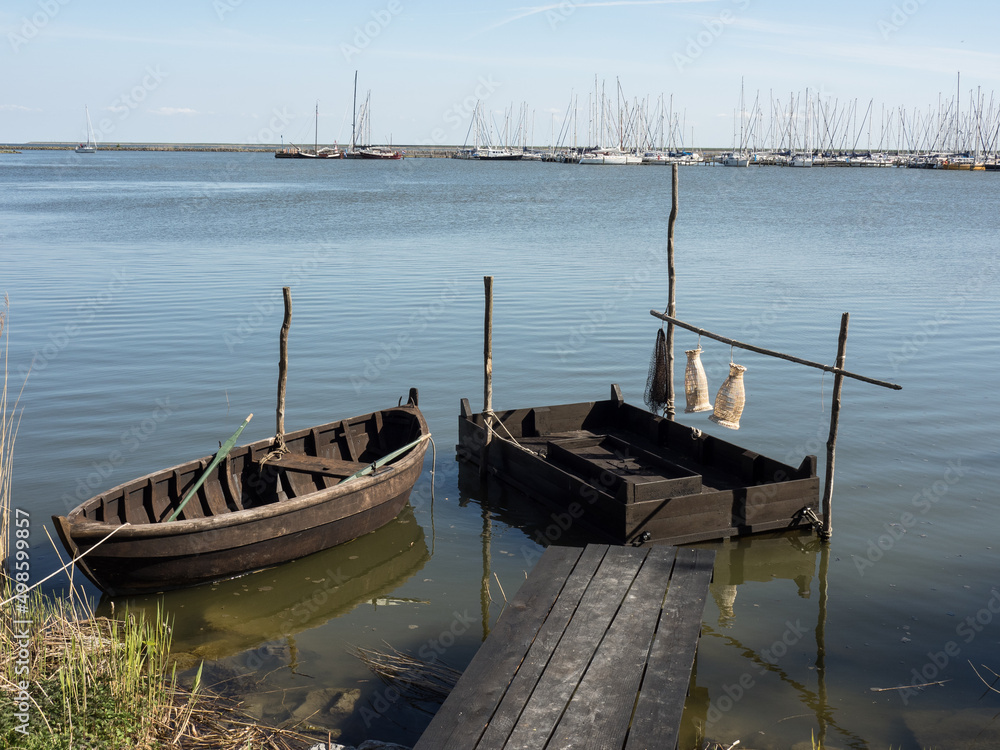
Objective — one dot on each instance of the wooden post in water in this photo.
(279, 435)
(671, 294)
(831, 443)
(487, 372)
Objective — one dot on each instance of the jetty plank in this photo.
(671, 658)
(589, 634)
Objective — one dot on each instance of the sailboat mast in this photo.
(354, 115)
(316, 133)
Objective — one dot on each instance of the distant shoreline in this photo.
(410, 151)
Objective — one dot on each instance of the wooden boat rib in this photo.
(250, 513)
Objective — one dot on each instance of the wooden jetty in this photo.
(596, 651)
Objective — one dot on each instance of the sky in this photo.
(249, 71)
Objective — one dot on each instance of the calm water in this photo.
(145, 293)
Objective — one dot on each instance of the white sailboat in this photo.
(90, 147)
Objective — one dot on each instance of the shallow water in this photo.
(145, 295)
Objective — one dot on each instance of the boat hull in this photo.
(630, 477)
(287, 511)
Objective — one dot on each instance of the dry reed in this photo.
(9, 421)
(417, 681)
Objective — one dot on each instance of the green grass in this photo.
(91, 682)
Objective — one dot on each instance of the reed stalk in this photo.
(9, 421)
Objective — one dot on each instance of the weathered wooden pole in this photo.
(487, 374)
(831, 443)
(821, 695)
(279, 435)
(671, 293)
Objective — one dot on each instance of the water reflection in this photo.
(222, 619)
(790, 557)
(803, 561)
(542, 524)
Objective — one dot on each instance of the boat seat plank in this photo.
(333, 467)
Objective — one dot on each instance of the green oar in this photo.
(387, 458)
(223, 452)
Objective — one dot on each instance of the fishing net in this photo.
(656, 381)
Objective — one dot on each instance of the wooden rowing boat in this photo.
(254, 510)
(632, 477)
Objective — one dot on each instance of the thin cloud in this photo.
(16, 108)
(535, 10)
(173, 111)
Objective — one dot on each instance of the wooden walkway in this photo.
(595, 651)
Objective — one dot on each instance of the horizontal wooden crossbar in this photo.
(771, 353)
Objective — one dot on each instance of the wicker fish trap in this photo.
(696, 383)
(730, 400)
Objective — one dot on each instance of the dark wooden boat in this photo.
(633, 477)
(250, 513)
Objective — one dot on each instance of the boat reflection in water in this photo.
(789, 665)
(222, 619)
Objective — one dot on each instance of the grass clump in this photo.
(82, 682)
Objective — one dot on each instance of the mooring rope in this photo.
(491, 415)
(64, 567)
